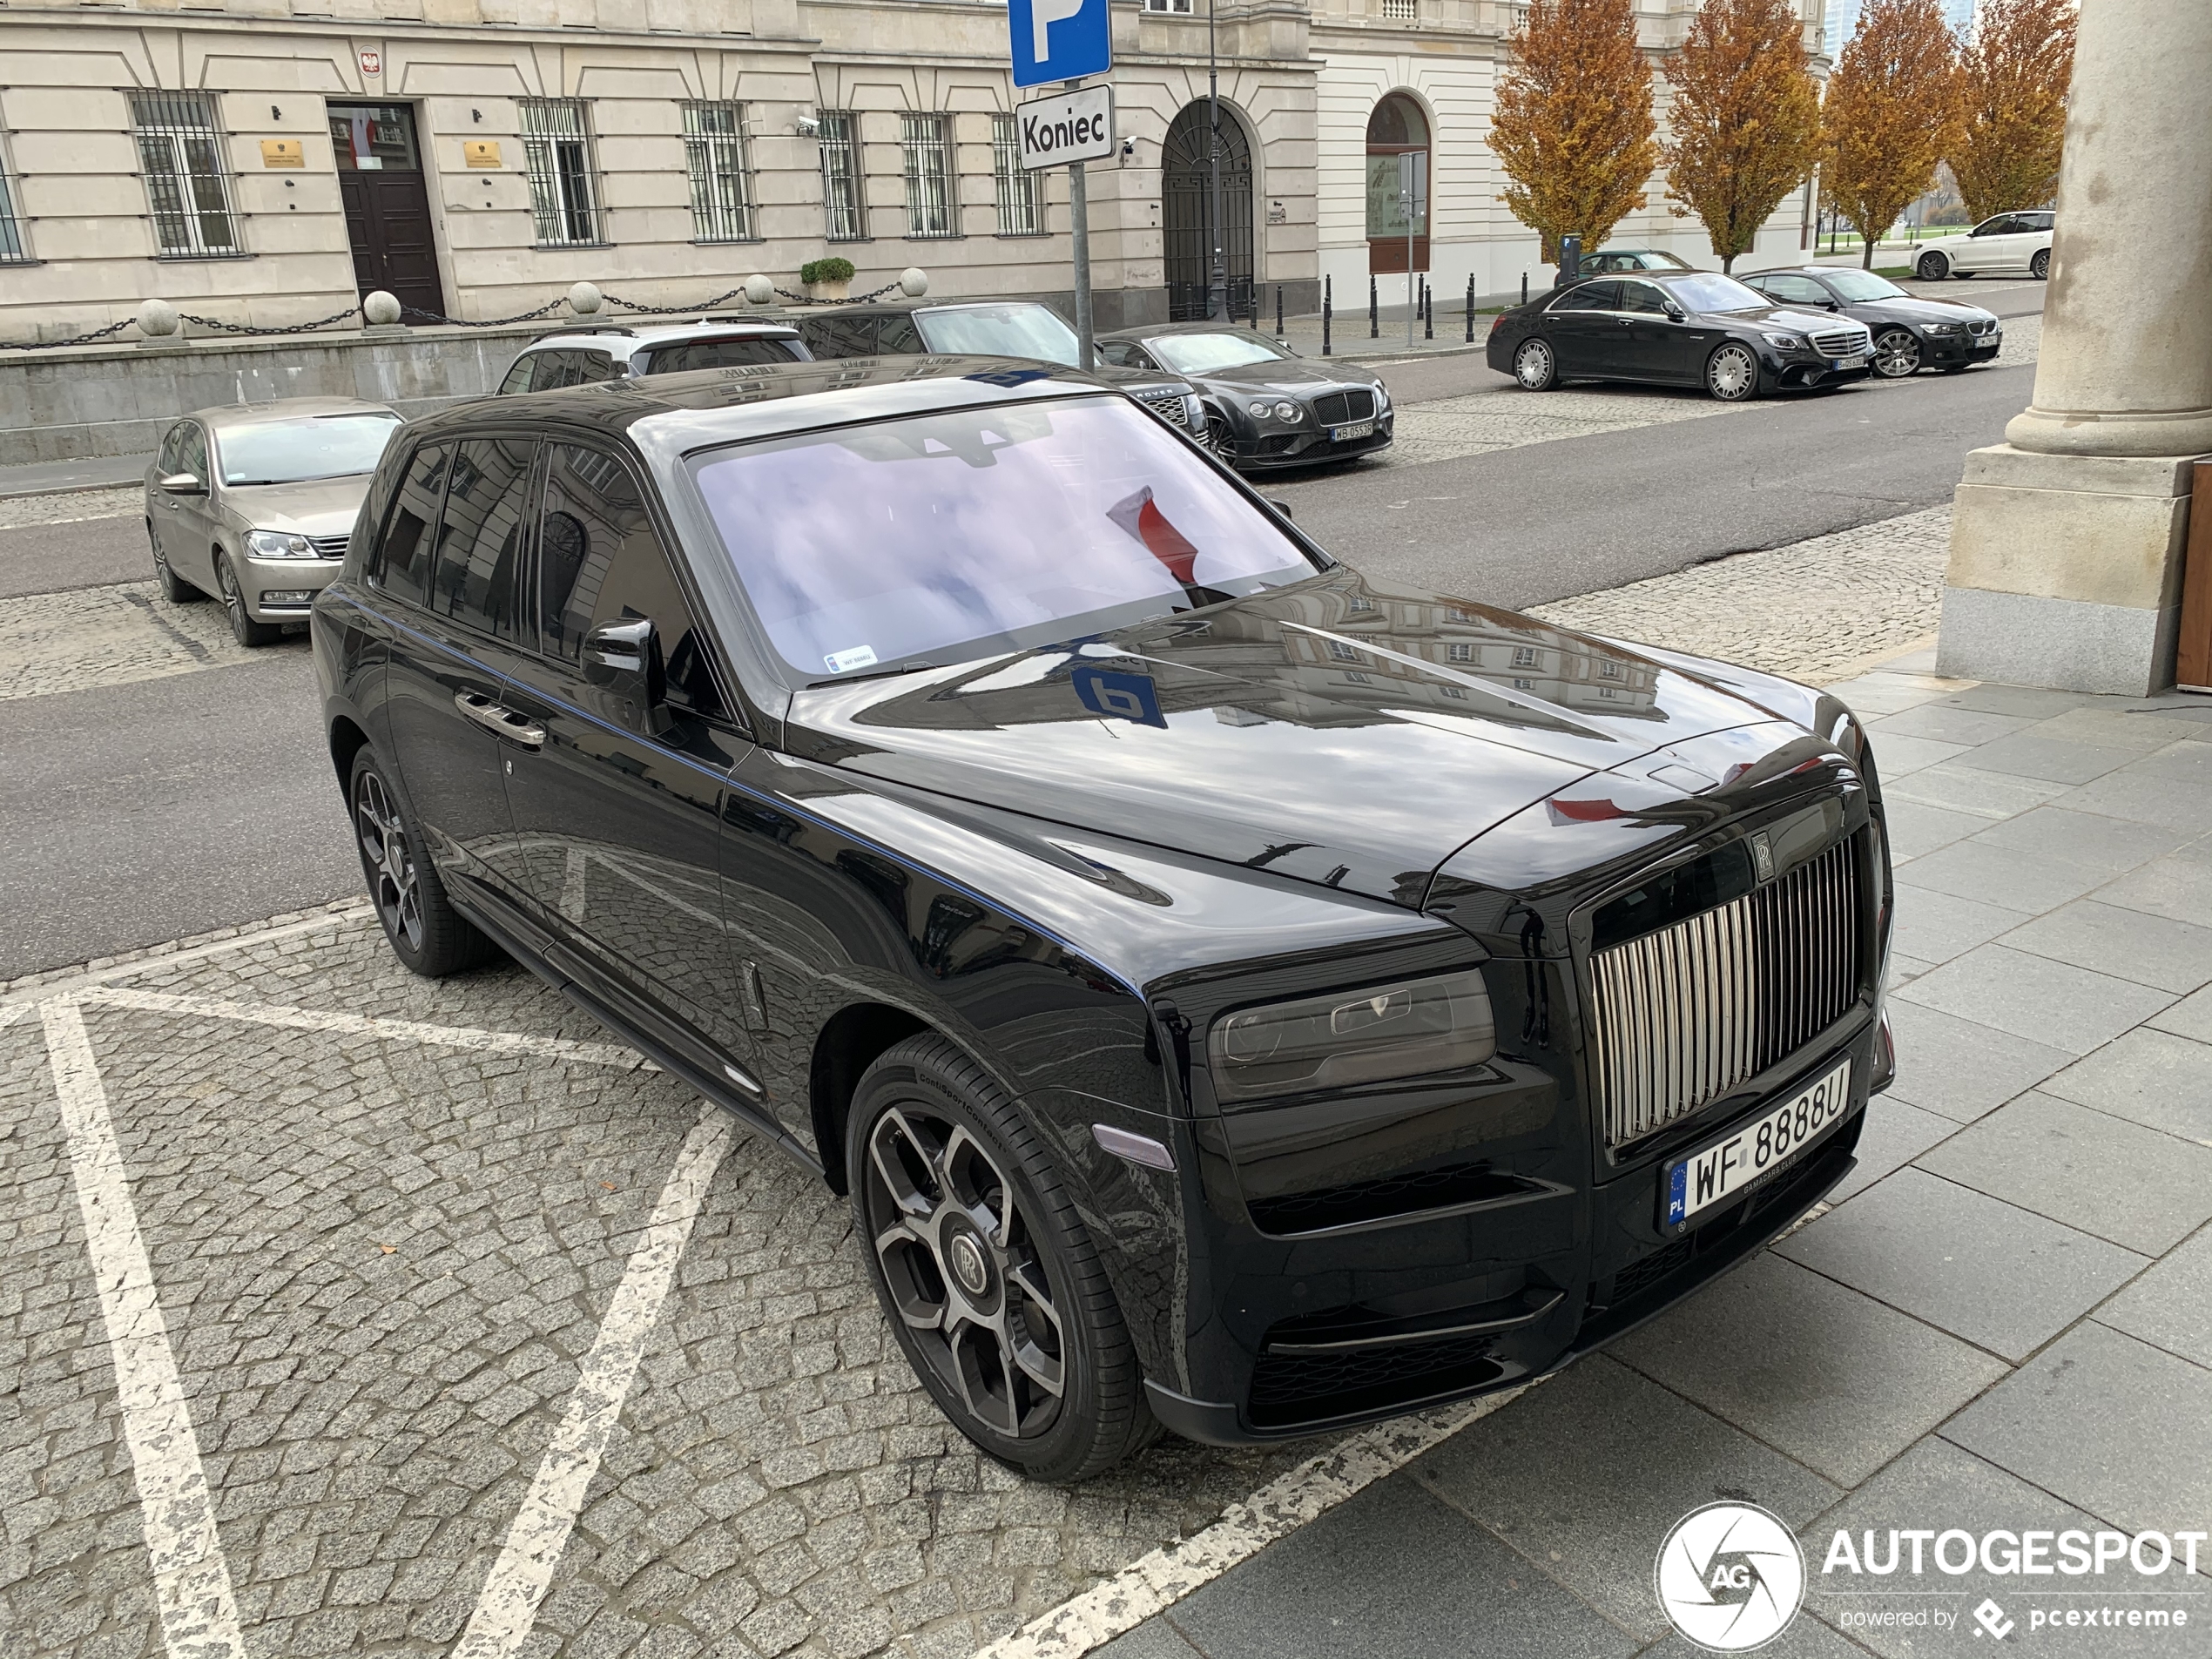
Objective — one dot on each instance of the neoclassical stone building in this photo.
(265, 161)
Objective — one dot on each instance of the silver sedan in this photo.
(253, 504)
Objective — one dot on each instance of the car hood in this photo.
(1287, 375)
(1797, 319)
(1335, 731)
(1912, 309)
(319, 507)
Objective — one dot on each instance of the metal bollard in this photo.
(1374, 316)
(1279, 311)
(1470, 340)
(1328, 305)
(1428, 310)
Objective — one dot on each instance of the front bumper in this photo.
(1945, 351)
(1802, 371)
(1308, 445)
(283, 589)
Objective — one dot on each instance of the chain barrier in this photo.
(545, 310)
(265, 328)
(670, 311)
(76, 340)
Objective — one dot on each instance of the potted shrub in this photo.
(830, 279)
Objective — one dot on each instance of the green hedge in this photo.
(830, 270)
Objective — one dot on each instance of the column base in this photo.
(2065, 571)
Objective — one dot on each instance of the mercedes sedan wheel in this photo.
(1932, 267)
(426, 932)
(2040, 266)
(244, 629)
(1896, 353)
(1534, 366)
(985, 1270)
(1731, 373)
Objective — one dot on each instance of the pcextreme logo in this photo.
(1730, 1577)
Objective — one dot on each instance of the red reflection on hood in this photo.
(1140, 516)
(1583, 812)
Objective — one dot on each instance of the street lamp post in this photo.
(1217, 283)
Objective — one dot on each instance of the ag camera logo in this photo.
(1730, 1577)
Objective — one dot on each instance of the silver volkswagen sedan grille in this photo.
(1683, 1016)
(1843, 342)
(330, 547)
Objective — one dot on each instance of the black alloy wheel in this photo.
(1932, 267)
(1220, 440)
(244, 629)
(1896, 353)
(1732, 373)
(426, 933)
(985, 1270)
(2040, 266)
(173, 588)
(1535, 365)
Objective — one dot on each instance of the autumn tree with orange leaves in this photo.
(1891, 110)
(1573, 127)
(1745, 118)
(2013, 76)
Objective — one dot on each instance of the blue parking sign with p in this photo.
(1059, 40)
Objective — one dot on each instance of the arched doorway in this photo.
(1398, 146)
(1186, 212)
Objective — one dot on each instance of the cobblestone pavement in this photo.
(68, 507)
(113, 636)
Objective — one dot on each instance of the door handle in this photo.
(500, 720)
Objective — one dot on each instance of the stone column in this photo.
(2066, 539)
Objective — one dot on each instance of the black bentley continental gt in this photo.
(1236, 994)
(1688, 328)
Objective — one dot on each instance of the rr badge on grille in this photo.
(1763, 856)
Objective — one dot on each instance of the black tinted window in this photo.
(1801, 290)
(840, 336)
(600, 561)
(1640, 296)
(518, 378)
(721, 354)
(1591, 296)
(403, 556)
(899, 334)
(475, 573)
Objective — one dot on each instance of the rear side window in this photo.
(840, 336)
(722, 354)
(558, 368)
(599, 561)
(475, 576)
(1591, 296)
(899, 334)
(518, 378)
(403, 555)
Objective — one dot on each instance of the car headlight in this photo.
(1287, 411)
(1410, 1028)
(1382, 397)
(278, 545)
(1786, 342)
(1258, 409)
(1945, 327)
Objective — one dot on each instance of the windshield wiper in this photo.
(873, 674)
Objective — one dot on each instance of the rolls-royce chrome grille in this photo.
(1683, 1015)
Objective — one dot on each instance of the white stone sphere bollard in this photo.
(382, 308)
(914, 282)
(583, 299)
(158, 320)
(759, 290)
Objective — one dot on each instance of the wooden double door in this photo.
(386, 197)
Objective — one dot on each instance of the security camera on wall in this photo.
(808, 127)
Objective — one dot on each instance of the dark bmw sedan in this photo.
(1277, 408)
(1235, 994)
(1689, 328)
(1911, 332)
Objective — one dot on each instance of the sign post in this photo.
(1065, 40)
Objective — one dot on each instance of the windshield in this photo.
(1857, 286)
(1001, 331)
(292, 452)
(1708, 291)
(944, 537)
(1207, 354)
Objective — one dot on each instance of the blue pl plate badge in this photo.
(1678, 1194)
(1123, 697)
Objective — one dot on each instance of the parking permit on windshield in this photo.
(858, 657)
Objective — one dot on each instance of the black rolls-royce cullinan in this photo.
(1237, 995)
(1685, 328)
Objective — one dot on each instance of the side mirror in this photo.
(622, 658)
(1283, 508)
(1676, 310)
(184, 483)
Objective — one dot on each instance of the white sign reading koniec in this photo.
(1076, 126)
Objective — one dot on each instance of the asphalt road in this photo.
(89, 553)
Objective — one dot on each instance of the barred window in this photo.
(715, 154)
(927, 139)
(841, 207)
(180, 148)
(1167, 5)
(1401, 11)
(564, 186)
(1018, 185)
(14, 250)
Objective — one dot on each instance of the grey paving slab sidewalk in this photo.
(2003, 1320)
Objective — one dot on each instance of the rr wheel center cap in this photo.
(966, 1260)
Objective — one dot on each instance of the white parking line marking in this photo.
(149, 961)
(508, 1606)
(192, 1581)
(1154, 1582)
(450, 1037)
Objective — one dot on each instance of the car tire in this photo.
(950, 1187)
(426, 933)
(1933, 266)
(1535, 365)
(1896, 353)
(2040, 266)
(173, 587)
(1220, 441)
(1732, 373)
(244, 629)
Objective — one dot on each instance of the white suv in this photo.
(578, 356)
(2006, 242)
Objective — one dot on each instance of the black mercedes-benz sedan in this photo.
(1689, 328)
(1911, 332)
(1236, 994)
(1275, 408)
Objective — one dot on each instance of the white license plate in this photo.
(1858, 361)
(1357, 429)
(1709, 1177)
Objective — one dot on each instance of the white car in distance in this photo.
(2003, 242)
